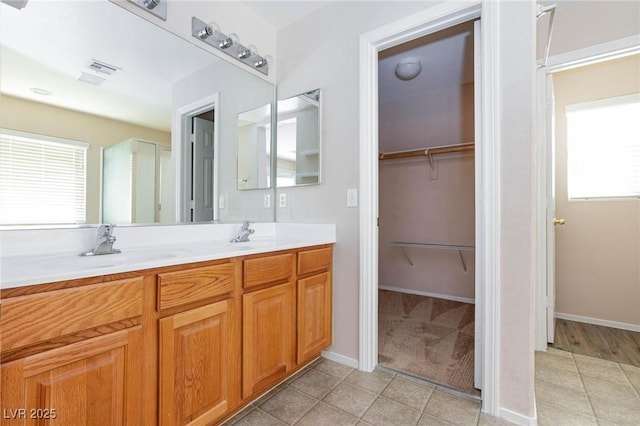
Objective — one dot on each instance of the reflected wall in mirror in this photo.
(76, 78)
(254, 148)
(298, 140)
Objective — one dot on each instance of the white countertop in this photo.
(144, 248)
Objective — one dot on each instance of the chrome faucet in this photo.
(243, 235)
(104, 242)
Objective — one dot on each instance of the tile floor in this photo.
(328, 393)
(573, 389)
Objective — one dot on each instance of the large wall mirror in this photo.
(93, 72)
(298, 140)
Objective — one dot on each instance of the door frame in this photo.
(545, 294)
(487, 162)
(180, 144)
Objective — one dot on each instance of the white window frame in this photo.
(45, 219)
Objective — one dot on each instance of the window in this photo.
(603, 143)
(42, 179)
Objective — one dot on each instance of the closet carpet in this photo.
(428, 338)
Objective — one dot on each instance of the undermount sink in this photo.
(130, 256)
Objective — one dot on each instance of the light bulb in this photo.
(210, 29)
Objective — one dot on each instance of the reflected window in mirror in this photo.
(298, 140)
(254, 148)
(42, 179)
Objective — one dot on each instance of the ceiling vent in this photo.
(102, 67)
(90, 78)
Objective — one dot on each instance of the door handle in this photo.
(558, 221)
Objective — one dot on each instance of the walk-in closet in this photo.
(427, 208)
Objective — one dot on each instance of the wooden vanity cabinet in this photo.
(314, 304)
(74, 356)
(268, 330)
(185, 344)
(199, 370)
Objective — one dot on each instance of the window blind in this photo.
(603, 148)
(42, 179)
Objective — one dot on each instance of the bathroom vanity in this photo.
(190, 339)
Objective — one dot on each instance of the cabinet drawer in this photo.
(194, 284)
(314, 260)
(38, 317)
(268, 269)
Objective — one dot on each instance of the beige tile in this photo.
(427, 420)
(333, 368)
(375, 381)
(566, 379)
(633, 374)
(324, 414)
(600, 369)
(408, 392)
(569, 399)
(288, 405)
(315, 383)
(622, 393)
(610, 410)
(453, 408)
(487, 420)
(258, 417)
(385, 412)
(551, 415)
(559, 360)
(351, 399)
(363, 423)
(558, 352)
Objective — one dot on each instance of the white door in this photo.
(551, 208)
(479, 289)
(202, 184)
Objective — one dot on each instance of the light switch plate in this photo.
(267, 201)
(282, 200)
(352, 197)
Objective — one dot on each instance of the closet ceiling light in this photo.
(408, 68)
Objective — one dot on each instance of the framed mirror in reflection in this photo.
(298, 140)
(254, 148)
(95, 73)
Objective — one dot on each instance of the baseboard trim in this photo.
(596, 321)
(517, 418)
(341, 359)
(425, 293)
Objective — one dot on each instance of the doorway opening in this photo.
(196, 143)
(595, 244)
(426, 256)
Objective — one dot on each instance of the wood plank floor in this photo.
(597, 341)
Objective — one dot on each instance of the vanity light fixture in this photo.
(156, 7)
(408, 68)
(229, 44)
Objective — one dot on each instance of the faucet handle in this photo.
(105, 230)
(245, 225)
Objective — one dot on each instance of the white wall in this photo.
(580, 24)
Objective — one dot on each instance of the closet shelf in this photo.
(427, 152)
(457, 247)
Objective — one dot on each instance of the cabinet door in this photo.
(93, 382)
(198, 363)
(268, 337)
(314, 316)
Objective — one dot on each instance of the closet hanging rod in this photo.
(427, 151)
